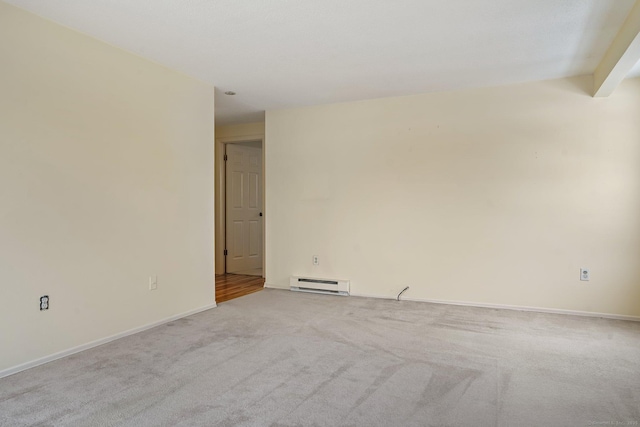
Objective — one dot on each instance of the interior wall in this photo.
(487, 196)
(230, 134)
(106, 179)
(240, 130)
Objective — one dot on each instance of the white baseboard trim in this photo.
(96, 343)
(270, 286)
(513, 307)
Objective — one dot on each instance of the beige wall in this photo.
(229, 134)
(242, 130)
(106, 178)
(489, 196)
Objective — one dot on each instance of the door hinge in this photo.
(225, 158)
(225, 252)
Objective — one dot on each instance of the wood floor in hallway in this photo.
(230, 286)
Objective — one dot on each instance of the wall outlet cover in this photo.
(153, 283)
(584, 274)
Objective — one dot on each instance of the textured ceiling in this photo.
(287, 53)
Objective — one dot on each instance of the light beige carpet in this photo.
(289, 359)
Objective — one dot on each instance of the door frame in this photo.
(220, 199)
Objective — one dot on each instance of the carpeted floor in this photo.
(281, 358)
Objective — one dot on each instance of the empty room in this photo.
(319, 213)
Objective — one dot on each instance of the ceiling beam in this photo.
(621, 56)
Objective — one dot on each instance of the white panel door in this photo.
(244, 209)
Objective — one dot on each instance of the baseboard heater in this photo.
(320, 286)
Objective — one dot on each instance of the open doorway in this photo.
(239, 204)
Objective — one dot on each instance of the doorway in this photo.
(240, 206)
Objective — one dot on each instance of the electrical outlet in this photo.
(153, 283)
(584, 274)
(44, 302)
(316, 261)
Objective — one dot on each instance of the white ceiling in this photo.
(635, 72)
(288, 53)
